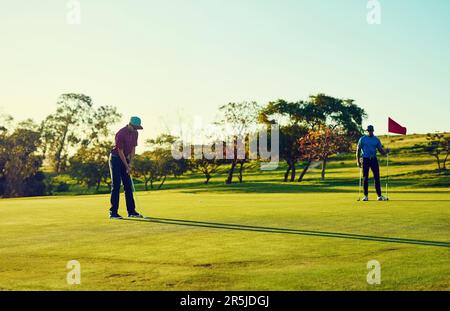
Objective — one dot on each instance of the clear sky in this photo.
(175, 60)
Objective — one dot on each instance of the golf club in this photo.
(136, 203)
(134, 191)
(360, 181)
(387, 176)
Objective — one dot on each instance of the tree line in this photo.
(76, 140)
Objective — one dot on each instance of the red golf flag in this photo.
(394, 127)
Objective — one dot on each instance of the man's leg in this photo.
(366, 166)
(376, 175)
(115, 171)
(128, 188)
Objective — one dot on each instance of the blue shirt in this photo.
(368, 146)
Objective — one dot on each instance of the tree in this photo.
(144, 167)
(297, 118)
(438, 146)
(336, 118)
(3, 157)
(321, 144)
(90, 165)
(165, 141)
(63, 129)
(287, 115)
(336, 113)
(205, 167)
(19, 161)
(162, 147)
(76, 123)
(308, 147)
(5, 122)
(157, 163)
(163, 164)
(293, 125)
(238, 121)
(100, 125)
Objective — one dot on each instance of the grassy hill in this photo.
(261, 234)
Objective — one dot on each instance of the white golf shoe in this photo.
(365, 198)
(382, 198)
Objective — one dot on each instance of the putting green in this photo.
(198, 240)
(263, 234)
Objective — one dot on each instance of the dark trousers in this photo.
(119, 175)
(371, 163)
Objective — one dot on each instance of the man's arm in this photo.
(124, 160)
(381, 150)
(133, 152)
(358, 154)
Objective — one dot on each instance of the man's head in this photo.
(135, 123)
(370, 130)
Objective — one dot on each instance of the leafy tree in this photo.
(297, 118)
(238, 122)
(327, 111)
(75, 123)
(3, 158)
(290, 129)
(5, 122)
(321, 144)
(19, 161)
(144, 167)
(289, 150)
(90, 165)
(205, 166)
(163, 164)
(157, 163)
(36, 185)
(100, 123)
(63, 129)
(438, 146)
(165, 142)
(308, 147)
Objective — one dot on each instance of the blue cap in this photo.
(136, 123)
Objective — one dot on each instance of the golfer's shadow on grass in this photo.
(214, 225)
(425, 200)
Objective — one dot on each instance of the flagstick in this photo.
(387, 169)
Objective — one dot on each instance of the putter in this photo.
(387, 177)
(135, 198)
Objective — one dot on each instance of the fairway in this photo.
(229, 240)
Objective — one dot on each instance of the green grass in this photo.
(262, 234)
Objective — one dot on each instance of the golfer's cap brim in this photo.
(139, 127)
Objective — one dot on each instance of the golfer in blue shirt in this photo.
(368, 145)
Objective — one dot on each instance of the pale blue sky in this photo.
(176, 60)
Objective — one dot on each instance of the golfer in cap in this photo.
(367, 149)
(120, 161)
